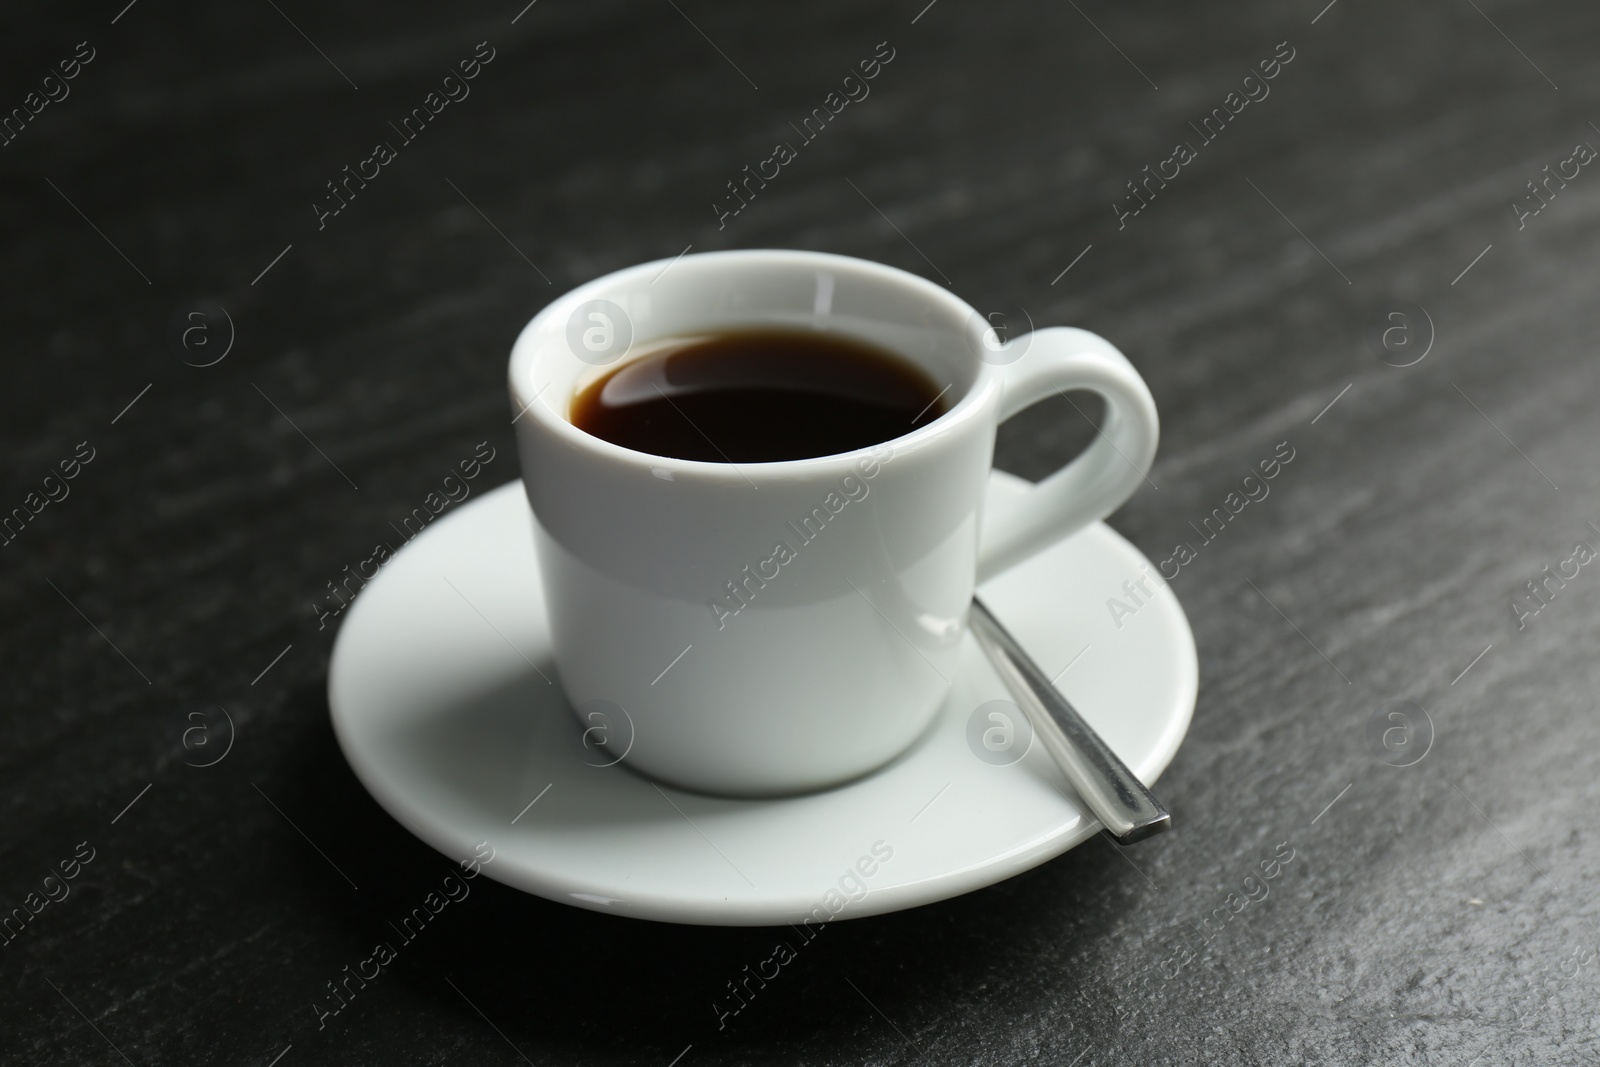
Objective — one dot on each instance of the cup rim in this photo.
(523, 353)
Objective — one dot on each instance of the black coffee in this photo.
(759, 395)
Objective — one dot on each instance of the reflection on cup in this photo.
(1006, 334)
(599, 332)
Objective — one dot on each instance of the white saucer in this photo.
(446, 723)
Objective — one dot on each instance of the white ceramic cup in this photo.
(770, 628)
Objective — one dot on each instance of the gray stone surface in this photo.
(1441, 912)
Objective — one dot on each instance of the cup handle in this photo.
(1104, 475)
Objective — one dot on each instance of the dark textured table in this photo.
(248, 372)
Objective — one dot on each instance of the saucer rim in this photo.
(773, 907)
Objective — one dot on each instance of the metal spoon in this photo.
(1113, 793)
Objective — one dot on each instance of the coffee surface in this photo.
(758, 396)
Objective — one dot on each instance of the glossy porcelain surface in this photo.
(773, 628)
(442, 701)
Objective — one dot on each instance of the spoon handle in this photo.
(1113, 793)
